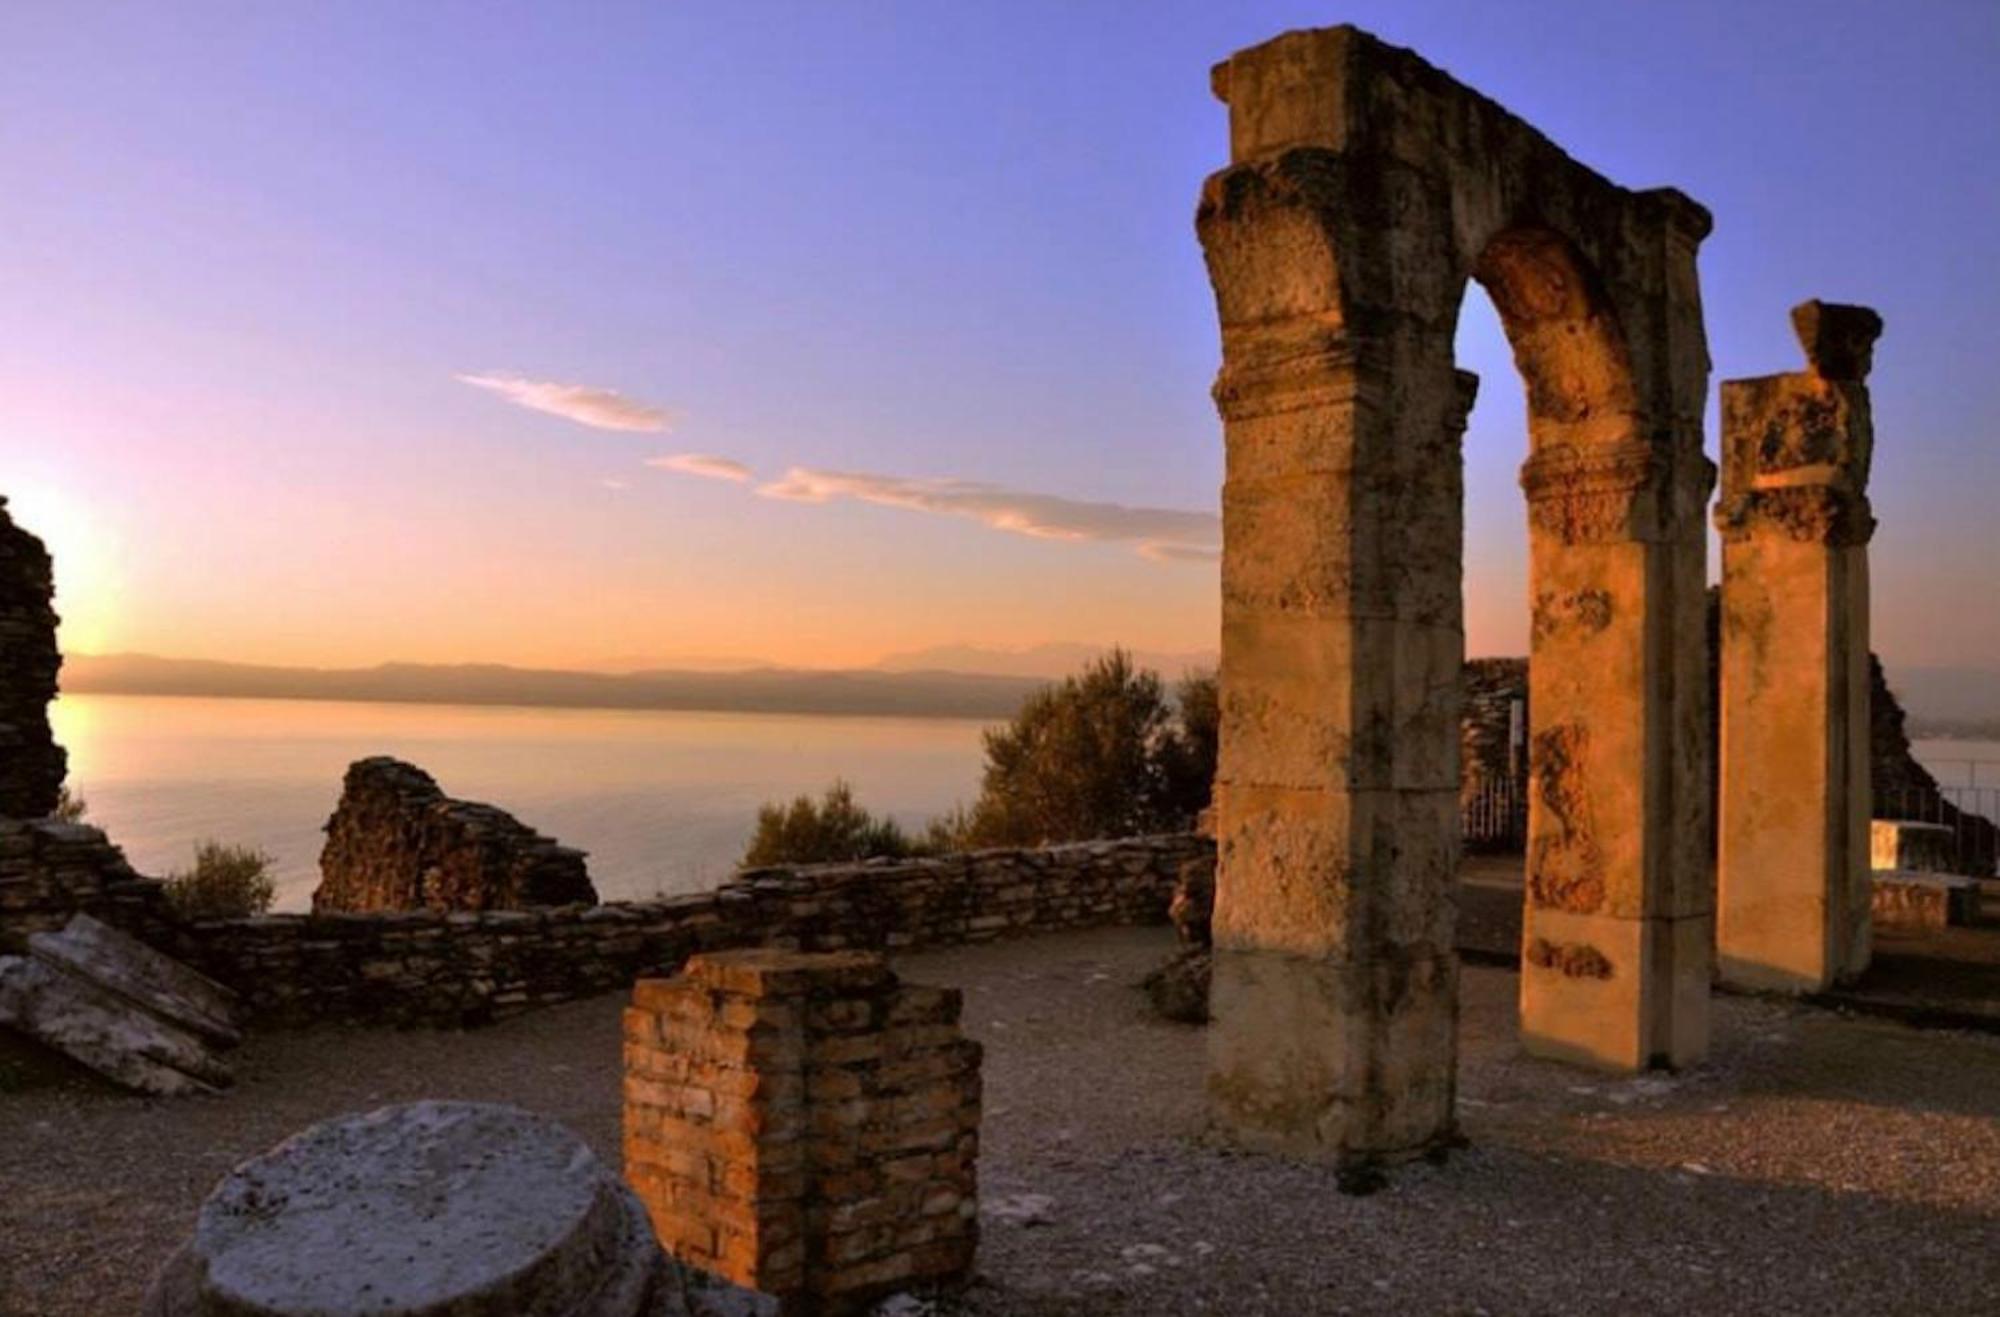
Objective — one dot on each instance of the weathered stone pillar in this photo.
(32, 765)
(1617, 919)
(1334, 1000)
(1793, 885)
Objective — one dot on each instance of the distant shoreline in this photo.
(775, 691)
(539, 707)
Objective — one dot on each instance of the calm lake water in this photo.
(663, 801)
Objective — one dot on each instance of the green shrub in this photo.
(1104, 753)
(829, 830)
(227, 882)
(70, 807)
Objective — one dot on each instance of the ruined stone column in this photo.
(1334, 999)
(32, 765)
(1793, 883)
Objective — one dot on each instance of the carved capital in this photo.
(1804, 513)
(1592, 495)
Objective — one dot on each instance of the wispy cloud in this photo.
(1161, 534)
(613, 482)
(702, 464)
(601, 409)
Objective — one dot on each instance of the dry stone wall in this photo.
(50, 871)
(453, 968)
(397, 842)
(31, 763)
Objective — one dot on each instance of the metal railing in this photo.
(1493, 816)
(1972, 812)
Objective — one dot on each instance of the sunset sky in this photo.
(559, 334)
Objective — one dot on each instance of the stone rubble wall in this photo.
(804, 1125)
(50, 871)
(456, 968)
(397, 842)
(31, 763)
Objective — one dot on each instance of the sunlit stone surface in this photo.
(1365, 188)
(1793, 871)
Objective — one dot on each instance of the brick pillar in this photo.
(805, 1125)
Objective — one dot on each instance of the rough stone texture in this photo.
(1793, 892)
(1902, 844)
(90, 1023)
(1178, 989)
(805, 1125)
(149, 980)
(1365, 189)
(50, 871)
(429, 967)
(448, 1208)
(31, 763)
(1192, 909)
(1917, 901)
(397, 842)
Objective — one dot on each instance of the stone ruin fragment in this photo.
(31, 763)
(397, 842)
(424, 1210)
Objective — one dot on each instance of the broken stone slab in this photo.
(1915, 901)
(120, 964)
(123, 1042)
(1912, 845)
(461, 1208)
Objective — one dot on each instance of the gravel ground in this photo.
(1817, 1164)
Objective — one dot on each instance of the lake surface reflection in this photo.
(663, 801)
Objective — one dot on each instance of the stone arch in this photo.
(1366, 189)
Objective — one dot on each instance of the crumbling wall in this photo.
(433, 967)
(51, 870)
(31, 763)
(397, 842)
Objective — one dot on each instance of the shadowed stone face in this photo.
(32, 765)
(1365, 189)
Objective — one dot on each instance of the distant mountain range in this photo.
(1049, 662)
(951, 681)
(764, 690)
(1949, 701)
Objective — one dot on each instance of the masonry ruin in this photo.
(805, 1125)
(397, 842)
(1793, 897)
(1365, 190)
(31, 763)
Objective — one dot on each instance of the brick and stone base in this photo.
(805, 1125)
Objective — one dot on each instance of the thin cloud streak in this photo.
(600, 409)
(707, 465)
(1159, 534)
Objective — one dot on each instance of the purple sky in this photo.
(289, 295)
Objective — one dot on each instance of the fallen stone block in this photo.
(428, 1208)
(1906, 844)
(92, 950)
(1178, 989)
(1907, 901)
(123, 1042)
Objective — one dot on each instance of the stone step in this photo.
(151, 980)
(125, 1043)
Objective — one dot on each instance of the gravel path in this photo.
(1816, 1165)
